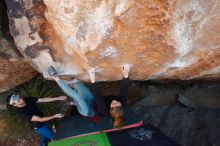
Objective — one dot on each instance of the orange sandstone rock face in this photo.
(15, 72)
(174, 39)
(14, 68)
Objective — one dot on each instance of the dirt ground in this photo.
(18, 142)
(7, 140)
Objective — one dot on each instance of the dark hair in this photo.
(8, 99)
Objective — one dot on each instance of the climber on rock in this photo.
(91, 105)
(111, 106)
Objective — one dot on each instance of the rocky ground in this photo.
(198, 127)
(188, 126)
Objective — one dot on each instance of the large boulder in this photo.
(14, 68)
(174, 39)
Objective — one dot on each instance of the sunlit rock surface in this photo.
(175, 39)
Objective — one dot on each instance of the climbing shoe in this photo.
(52, 71)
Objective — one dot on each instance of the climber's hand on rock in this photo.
(126, 70)
(92, 74)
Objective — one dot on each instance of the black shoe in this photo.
(52, 71)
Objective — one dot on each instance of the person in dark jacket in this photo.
(112, 106)
(26, 109)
